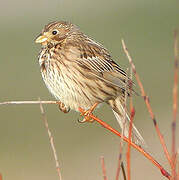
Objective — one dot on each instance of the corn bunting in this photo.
(80, 72)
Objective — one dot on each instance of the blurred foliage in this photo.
(147, 28)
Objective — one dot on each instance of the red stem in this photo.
(146, 99)
(175, 104)
(129, 144)
(147, 155)
(103, 168)
(119, 162)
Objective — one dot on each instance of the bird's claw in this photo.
(87, 117)
(62, 107)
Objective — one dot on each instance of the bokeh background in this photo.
(146, 26)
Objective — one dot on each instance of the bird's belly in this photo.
(69, 91)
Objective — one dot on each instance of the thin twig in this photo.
(119, 161)
(123, 171)
(129, 144)
(174, 171)
(132, 114)
(175, 103)
(123, 130)
(178, 165)
(146, 99)
(103, 168)
(51, 142)
(147, 155)
(27, 102)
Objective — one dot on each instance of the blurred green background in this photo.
(147, 28)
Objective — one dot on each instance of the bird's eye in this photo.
(54, 32)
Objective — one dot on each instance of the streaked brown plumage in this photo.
(80, 72)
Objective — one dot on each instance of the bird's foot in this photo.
(87, 117)
(87, 114)
(62, 107)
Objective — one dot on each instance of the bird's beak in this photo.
(41, 39)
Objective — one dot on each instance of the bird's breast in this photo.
(70, 83)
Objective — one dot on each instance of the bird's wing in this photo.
(96, 59)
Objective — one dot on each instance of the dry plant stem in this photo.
(132, 114)
(28, 102)
(174, 173)
(175, 103)
(147, 155)
(0, 176)
(121, 140)
(129, 144)
(146, 99)
(178, 168)
(119, 163)
(103, 168)
(51, 142)
(123, 171)
(164, 172)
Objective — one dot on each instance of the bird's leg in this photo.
(62, 107)
(87, 114)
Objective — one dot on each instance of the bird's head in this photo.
(55, 32)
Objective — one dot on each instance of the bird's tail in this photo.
(124, 122)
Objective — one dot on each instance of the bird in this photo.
(81, 73)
